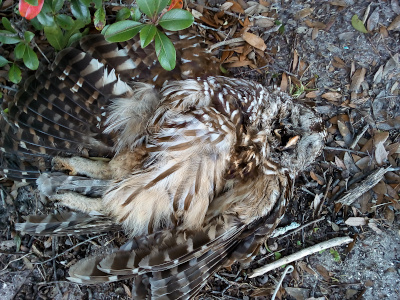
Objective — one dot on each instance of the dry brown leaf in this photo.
(345, 132)
(196, 14)
(317, 25)
(239, 64)
(323, 272)
(312, 94)
(380, 154)
(374, 227)
(256, 9)
(363, 162)
(316, 202)
(389, 215)
(357, 79)
(338, 3)
(356, 221)
(303, 13)
(395, 25)
(226, 5)
(317, 178)
(284, 82)
(332, 96)
(295, 60)
(304, 267)
(264, 22)
(127, 290)
(339, 163)
(254, 40)
(314, 33)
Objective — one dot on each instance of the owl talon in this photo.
(63, 164)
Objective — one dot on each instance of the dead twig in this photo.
(372, 180)
(302, 253)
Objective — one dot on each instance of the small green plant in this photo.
(278, 255)
(335, 254)
(156, 17)
(23, 50)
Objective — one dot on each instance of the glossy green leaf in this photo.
(55, 37)
(100, 18)
(358, 24)
(136, 14)
(97, 3)
(45, 19)
(36, 24)
(122, 31)
(86, 2)
(56, 5)
(3, 61)
(32, 2)
(28, 36)
(20, 50)
(7, 24)
(64, 21)
(151, 7)
(165, 51)
(80, 11)
(14, 74)
(147, 35)
(176, 19)
(123, 14)
(74, 38)
(30, 58)
(8, 37)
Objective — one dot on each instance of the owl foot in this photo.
(82, 166)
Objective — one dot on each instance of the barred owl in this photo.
(196, 170)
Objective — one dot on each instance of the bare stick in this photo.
(358, 137)
(365, 186)
(302, 253)
(224, 43)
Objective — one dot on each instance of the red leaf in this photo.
(29, 11)
(175, 4)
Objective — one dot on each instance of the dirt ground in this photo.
(352, 80)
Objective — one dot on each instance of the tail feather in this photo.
(65, 223)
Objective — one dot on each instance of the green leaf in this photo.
(31, 60)
(151, 7)
(98, 3)
(55, 37)
(45, 19)
(7, 25)
(36, 24)
(14, 74)
(80, 11)
(147, 35)
(278, 255)
(123, 14)
(56, 5)
(64, 21)
(74, 38)
(176, 19)
(136, 14)
(32, 2)
(100, 18)
(20, 50)
(165, 51)
(28, 36)
(86, 2)
(122, 31)
(358, 24)
(3, 61)
(8, 37)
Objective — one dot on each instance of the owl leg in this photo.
(79, 202)
(82, 166)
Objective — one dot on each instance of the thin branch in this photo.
(302, 253)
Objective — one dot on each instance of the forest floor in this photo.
(314, 51)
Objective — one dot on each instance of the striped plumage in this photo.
(200, 171)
